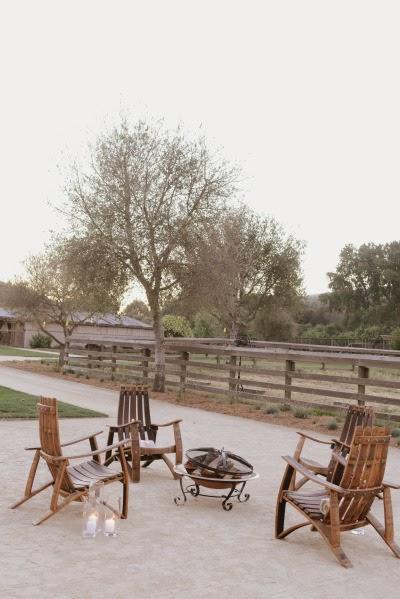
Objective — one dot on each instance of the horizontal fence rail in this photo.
(273, 372)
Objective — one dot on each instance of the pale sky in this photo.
(305, 95)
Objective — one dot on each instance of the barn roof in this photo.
(7, 314)
(113, 320)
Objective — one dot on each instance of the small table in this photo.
(235, 486)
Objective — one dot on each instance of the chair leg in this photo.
(125, 482)
(336, 549)
(147, 463)
(178, 443)
(125, 499)
(281, 502)
(170, 466)
(59, 507)
(29, 483)
(386, 532)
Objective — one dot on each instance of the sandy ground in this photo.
(164, 551)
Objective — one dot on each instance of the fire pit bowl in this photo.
(215, 469)
(209, 463)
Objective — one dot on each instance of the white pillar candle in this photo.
(109, 527)
(91, 524)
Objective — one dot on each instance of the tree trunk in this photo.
(61, 358)
(234, 329)
(159, 352)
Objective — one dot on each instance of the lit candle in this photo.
(91, 524)
(109, 527)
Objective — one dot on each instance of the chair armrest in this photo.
(51, 458)
(314, 438)
(32, 448)
(167, 423)
(389, 484)
(81, 439)
(311, 476)
(330, 486)
(116, 427)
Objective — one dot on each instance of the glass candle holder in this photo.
(91, 521)
(92, 517)
(111, 517)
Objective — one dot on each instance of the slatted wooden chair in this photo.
(134, 405)
(335, 508)
(355, 416)
(70, 482)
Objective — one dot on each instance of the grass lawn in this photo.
(5, 350)
(14, 404)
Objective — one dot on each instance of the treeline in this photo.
(362, 305)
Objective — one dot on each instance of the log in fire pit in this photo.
(215, 469)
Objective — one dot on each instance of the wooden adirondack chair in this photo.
(134, 405)
(356, 416)
(336, 508)
(70, 482)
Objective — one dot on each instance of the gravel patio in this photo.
(167, 552)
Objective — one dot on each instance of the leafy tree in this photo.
(395, 339)
(176, 326)
(138, 309)
(243, 262)
(65, 286)
(144, 194)
(274, 324)
(366, 284)
(206, 325)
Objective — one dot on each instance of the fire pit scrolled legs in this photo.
(193, 489)
(226, 504)
(246, 496)
(178, 500)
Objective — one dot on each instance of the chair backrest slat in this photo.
(356, 416)
(364, 470)
(134, 405)
(50, 437)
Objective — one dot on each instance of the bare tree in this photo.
(144, 193)
(243, 262)
(64, 287)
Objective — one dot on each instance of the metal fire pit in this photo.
(215, 469)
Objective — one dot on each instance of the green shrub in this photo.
(395, 339)
(271, 410)
(40, 340)
(332, 425)
(285, 407)
(395, 432)
(176, 326)
(321, 412)
(300, 413)
(206, 325)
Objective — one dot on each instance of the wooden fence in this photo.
(275, 373)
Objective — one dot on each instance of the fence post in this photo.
(113, 362)
(89, 364)
(182, 378)
(363, 373)
(290, 367)
(145, 364)
(232, 375)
